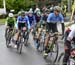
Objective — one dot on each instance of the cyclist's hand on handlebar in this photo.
(24, 28)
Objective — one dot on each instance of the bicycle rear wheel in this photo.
(7, 43)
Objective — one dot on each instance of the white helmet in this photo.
(10, 15)
(26, 12)
(37, 10)
(30, 12)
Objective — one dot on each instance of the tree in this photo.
(18, 4)
(1, 3)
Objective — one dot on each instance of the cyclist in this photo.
(51, 8)
(44, 17)
(69, 36)
(31, 19)
(22, 22)
(37, 13)
(10, 21)
(52, 21)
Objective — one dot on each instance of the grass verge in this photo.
(2, 21)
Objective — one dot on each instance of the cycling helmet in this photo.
(22, 13)
(10, 15)
(26, 12)
(57, 8)
(30, 12)
(19, 13)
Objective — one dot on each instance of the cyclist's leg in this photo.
(47, 41)
(49, 26)
(24, 26)
(67, 52)
(7, 27)
(17, 34)
(10, 27)
(54, 27)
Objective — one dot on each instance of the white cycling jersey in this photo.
(72, 33)
(72, 27)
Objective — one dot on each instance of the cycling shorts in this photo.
(10, 25)
(21, 25)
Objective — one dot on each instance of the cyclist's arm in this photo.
(41, 18)
(34, 20)
(71, 35)
(49, 18)
(16, 25)
(18, 19)
(14, 21)
(28, 23)
(61, 18)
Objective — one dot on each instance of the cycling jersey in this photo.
(70, 28)
(44, 18)
(54, 19)
(23, 20)
(72, 32)
(10, 21)
(32, 20)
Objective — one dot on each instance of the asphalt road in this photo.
(29, 55)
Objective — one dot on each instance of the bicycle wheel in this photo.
(19, 46)
(60, 59)
(8, 39)
(26, 40)
(53, 54)
(7, 43)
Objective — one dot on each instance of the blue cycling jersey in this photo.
(53, 18)
(20, 19)
(32, 20)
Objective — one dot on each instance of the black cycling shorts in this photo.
(21, 25)
(10, 25)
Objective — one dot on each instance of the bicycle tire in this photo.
(57, 52)
(60, 58)
(19, 46)
(57, 47)
(7, 43)
(8, 39)
(26, 42)
(20, 51)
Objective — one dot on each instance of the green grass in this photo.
(2, 21)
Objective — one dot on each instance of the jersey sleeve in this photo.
(49, 18)
(18, 19)
(71, 34)
(27, 20)
(61, 18)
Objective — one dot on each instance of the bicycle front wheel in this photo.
(8, 40)
(19, 47)
(53, 54)
(60, 59)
